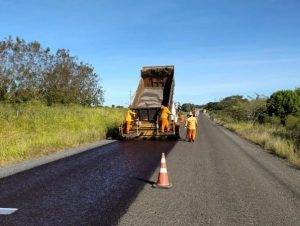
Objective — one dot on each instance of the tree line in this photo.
(282, 108)
(29, 72)
(188, 107)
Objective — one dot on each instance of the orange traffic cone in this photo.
(163, 180)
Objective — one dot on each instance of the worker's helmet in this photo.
(190, 114)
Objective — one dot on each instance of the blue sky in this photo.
(219, 47)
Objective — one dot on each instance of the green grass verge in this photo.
(31, 130)
(271, 138)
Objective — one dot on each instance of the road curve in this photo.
(221, 179)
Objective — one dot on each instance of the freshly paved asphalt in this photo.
(92, 188)
(221, 179)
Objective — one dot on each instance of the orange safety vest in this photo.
(191, 123)
(164, 113)
(129, 114)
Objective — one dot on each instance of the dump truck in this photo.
(156, 88)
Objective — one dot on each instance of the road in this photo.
(221, 179)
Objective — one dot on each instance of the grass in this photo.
(271, 138)
(31, 130)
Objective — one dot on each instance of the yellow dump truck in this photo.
(156, 88)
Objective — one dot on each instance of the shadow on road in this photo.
(144, 180)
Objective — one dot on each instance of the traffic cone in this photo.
(163, 180)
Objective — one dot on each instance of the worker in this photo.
(190, 114)
(191, 124)
(165, 112)
(128, 120)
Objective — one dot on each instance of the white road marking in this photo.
(7, 211)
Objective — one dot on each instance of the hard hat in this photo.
(190, 113)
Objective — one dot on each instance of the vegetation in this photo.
(48, 102)
(187, 107)
(284, 103)
(31, 129)
(273, 122)
(29, 72)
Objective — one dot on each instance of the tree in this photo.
(231, 102)
(187, 107)
(29, 72)
(178, 106)
(254, 109)
(213, 106)
(283, 103)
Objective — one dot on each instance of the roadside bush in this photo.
(254, 109)
(283, 103)
(272, 120)
(292, 122)
(238, 108)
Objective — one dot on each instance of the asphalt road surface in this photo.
(221, 179)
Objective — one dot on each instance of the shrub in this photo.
(292, 122)
(273, 120)
(284, 103)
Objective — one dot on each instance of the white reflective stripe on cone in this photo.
(163, 160)
(7, 211)
(163, 170)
